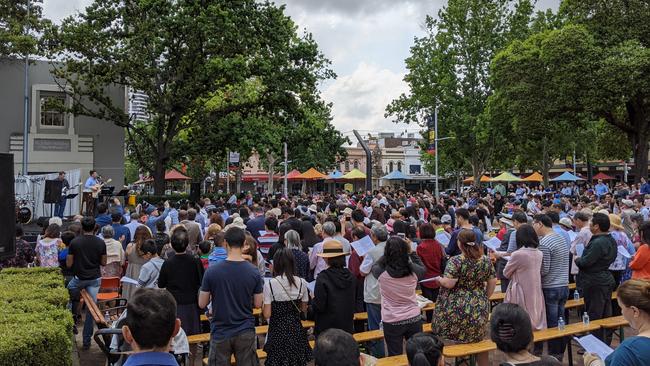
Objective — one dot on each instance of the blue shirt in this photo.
(90, 182)
(645, 188)
(122, 230)
(218, 254)
(232, 285)
(634, 351)
(563, 234)
(152, 220)
(103, 220)
(601, 189)
(453, 248)
(151, 359)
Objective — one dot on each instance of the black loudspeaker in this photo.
(195, 191)
(53, 190)
(7, 211)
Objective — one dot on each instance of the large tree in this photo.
(181, 54)
(449, 67)
(20, 27)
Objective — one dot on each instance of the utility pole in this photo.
(228, 173)
(368, 160)
(26, 102)
(435, 131)
(286, 162)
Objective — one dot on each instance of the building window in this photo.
(399, 166)
(356, 164)
(51, 116)
(414, 169)
(347, 165)
(390, 167)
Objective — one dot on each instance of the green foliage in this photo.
(15, 40)
(35, 327)
(450, 68)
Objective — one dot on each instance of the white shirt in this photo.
(283, 291)
(316, 263)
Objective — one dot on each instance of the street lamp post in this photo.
(26, 102)
(435, 131)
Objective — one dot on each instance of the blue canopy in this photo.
(566, 177)
(395, 175)
(335, 175)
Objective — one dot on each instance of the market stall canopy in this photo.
(355, 174)
(395, 175)
(313, 174)
(505, 177)
(535, 177)
(257, 177)
(170, 175)
(566, 177)
(294, 175)
(335, 175)
(484, 179)
(602, 176)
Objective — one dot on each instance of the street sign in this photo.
(233, 157)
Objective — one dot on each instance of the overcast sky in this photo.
(367, 41)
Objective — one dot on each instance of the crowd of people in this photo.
(300, 257)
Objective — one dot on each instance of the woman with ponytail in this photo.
(425, 349)
(634, 300)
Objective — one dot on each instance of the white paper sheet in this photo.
(580, 248)
(363, 245)
(442, 239)
(623, 251)
(494, 243)
(129, 280)
(311, 286)
(592, 344)
(432, 279)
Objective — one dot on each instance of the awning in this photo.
(257, 177)
(170, 175)
(603, 176)
(313, 174)
(484, 179)
(395, 175)
(354, 174)
(294, 175)
(335, 175)
(535, 177)
(566, 177)
(505, 177)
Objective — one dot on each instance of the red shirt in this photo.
(431, 252)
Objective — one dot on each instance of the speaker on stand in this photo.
(7, 211)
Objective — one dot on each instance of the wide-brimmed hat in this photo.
(313, 208)
(237, 222)
(628, 203)
(347, 211)
(332, 248)
(445, 219)
(615, 222)
(566, 222)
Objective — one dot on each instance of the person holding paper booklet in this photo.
(334, 295)
(151, 270)
(135, 259)
(433, 256)
(510, 329)
(634, 300)
(594, 276)
(524, 272)
(620, 267)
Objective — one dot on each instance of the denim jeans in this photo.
(554, 299)
(59, 208)
(374, 321)
(92, 287)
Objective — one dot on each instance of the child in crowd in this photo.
(205, 247)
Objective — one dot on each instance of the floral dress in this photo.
(48, 252)
(461, 313)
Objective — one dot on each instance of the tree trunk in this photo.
(639, 142)
(271, 160)
(238, 179)
(159, 177)
(545, 165)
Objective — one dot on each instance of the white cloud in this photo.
(360, 99)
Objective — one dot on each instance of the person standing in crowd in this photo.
(300, 258)
(462, 218)
(461, 312)
(316, 262)
(398, 272)
(594, 275)
(47, 248)
(581, 221)
(181, 275)
(334, 293)
(59, 208)
(193, 228)
(285, 299)
(149, 328)
(634, 300)
(151, 270)
(601, 189)
(155, 216)
(232, 287)
(434, 260)
(511, 330)
(371, 295)
(555, 278)
(103, 218)
(133, 225)
(87, 253)
(24, 252)
(135, 259)
(90, 186)
(115, 256)
(508, 234)
(257, 223)
(122, 233)
(620, 267)
(251, 254)
(640, 264)
(524, 272)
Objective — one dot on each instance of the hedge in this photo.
(35, 327)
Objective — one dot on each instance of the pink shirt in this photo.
(398, 300)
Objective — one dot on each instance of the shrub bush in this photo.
(35, 327)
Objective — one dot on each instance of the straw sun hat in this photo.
(331, 249)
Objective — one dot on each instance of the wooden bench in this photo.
(259, 330)
(613, 323)
(256, 312)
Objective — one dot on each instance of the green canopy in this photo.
(505, 177)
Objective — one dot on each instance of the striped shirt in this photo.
(555, 263)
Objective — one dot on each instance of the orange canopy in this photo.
(535, 177)
(313, 174)
(484, 179)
